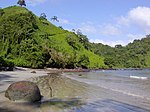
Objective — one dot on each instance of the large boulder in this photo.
(23, 91)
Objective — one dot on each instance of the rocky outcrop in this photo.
(23, 91)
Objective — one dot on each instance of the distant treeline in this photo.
(134, 55)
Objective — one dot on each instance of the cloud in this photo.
(132, 37)
(87, 28)
(110, 43)
(63, 21)
(107, 29)
(110, 30)
(35, 2)
(129, 39)
(134, 25)
(139, 17)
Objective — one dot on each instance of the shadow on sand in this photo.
(7, 110)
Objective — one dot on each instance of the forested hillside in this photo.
(134, 55)
(29, 41)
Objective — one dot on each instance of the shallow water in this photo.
(95, 91)
(131, 82)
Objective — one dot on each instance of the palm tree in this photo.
(61, 27)
(79, 33)
(73, 30)
(21, 2)
(43, 16)
(55, 18)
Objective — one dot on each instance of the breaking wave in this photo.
(137, 77)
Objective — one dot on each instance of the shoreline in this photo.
(70, 70)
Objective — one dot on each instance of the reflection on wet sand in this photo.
(108, 105)
(52, 105)
(59, 105)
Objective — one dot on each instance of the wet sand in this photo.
(67, 95)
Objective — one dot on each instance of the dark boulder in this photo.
(23, 91)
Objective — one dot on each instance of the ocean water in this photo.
(131, 82)
(132, 86)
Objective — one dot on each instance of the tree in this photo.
(118, 46)
(73, 30)
(84, 61)
(1, 12)
(55, 18)
(84, 41)
(43, 16)
(79, 33)
(61, 27)
(21, 2)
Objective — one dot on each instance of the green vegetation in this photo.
(55, 18)
(31, 41)
(134, 55)
(5, 64)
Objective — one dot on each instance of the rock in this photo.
(79, 74)
(33, 72)
(23, 91)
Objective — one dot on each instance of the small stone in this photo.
(33, 72)
(79, 74)
(23, 91)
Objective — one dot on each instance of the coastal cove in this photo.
(94, 91)
(74, 56)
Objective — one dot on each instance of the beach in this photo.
(70, 94)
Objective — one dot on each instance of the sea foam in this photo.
(137, 77)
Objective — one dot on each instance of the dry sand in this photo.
(9, 77)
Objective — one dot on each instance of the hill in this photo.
(134, 55)
(30, 41)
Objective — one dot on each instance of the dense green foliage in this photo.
(134, 55)
(30, 41)
(5, 64)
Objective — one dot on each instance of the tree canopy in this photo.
(134, 55)
(28, 41)
(21, 2)
(55, 18)
(43, 16)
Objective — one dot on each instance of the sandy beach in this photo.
(68, 95)
(9, 77)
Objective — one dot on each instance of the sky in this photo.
(109, 22)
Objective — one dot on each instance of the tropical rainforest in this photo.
(27, 40)
(31, 41)
(133, 55)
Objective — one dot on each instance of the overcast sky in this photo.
(106, 21)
